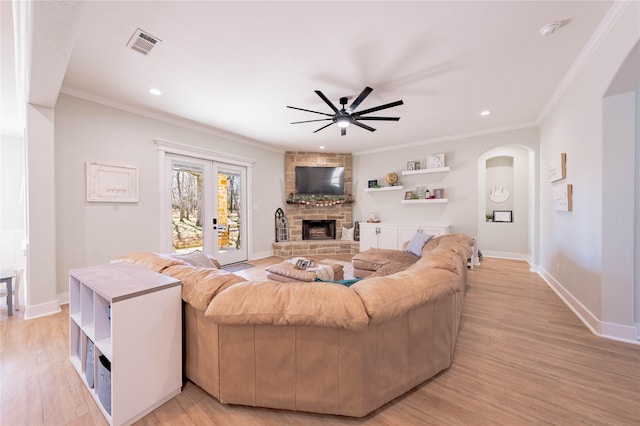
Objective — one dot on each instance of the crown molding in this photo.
(449, 138)
(171, 119)
(612, 16)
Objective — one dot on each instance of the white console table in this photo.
(393, 236)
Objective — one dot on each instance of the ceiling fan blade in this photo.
(376, 118)
(327, 101)
(311, 121)
(316, 131)
(343, 131)
(308, 110)
(378, 108)
(364, 126)
(367, 90)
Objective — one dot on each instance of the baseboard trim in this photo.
(620, 332)
(507, 255)
(63, 298)
(41, 310)
(261, 255)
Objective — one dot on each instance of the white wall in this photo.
(460, 184)
(618, 160)
(41, 212)
(636, 220)
(572, 243)
(12, 201)
(94, 233)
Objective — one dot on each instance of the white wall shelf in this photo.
(429, 201)
(385, 188)
(425, 171)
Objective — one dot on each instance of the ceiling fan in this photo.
(344, 117)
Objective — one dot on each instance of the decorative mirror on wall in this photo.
(499, 194)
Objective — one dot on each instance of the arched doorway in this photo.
(506, 219)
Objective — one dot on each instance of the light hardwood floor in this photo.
(522, 358)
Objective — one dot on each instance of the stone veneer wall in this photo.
(295, 213)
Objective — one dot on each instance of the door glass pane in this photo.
(229, 196)
(186, 208)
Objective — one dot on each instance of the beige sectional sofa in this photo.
(320, 347)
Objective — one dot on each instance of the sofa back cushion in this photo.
(155, 261)
(197, 258)
(289, 303)
(393, 295)
(201, 284)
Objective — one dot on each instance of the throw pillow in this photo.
(196, 258)
(347, 233)
(417, 242)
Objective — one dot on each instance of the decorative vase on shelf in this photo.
(391, 178)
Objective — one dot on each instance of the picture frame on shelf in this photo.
(408, 195)
(417, 165)
(373, 183)
(411, 165)
(438, 192)
(503, 216)
(421, 191)
(435, 161)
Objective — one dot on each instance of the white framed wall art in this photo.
(111, 184)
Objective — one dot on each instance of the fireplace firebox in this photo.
(318, 229)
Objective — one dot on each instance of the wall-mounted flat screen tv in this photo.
(319, 180)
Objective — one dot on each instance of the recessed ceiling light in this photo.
(155, 91)
(549, 29)
(485, 113)
(322, 147)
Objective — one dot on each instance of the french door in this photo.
(208, 203)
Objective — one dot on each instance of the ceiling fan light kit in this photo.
(345, 116)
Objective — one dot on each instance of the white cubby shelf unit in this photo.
(133, 317)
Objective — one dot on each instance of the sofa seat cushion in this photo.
(373, 259)
(286, 272)
(389, 268)
(278, 303)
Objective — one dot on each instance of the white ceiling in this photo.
(235, 66)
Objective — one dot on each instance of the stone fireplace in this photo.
(318, 229)
(340, 213)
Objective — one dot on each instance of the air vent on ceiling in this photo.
(143, 42)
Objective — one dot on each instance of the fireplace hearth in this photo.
(318, 229)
